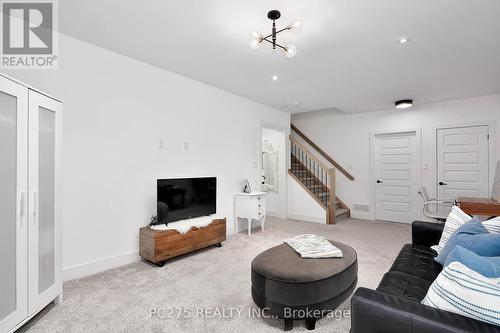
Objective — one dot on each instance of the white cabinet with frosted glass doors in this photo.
(30, 210)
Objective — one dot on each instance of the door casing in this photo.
(491, 150)
(418, 140)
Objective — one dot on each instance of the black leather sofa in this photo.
(394, 307)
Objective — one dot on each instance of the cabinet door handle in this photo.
(35, 204)
(21, 204)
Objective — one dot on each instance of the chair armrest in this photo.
(426, 233)
(377, 312)
(440, 201)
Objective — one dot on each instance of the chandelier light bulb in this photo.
(296, 26)
(290, 51)
(256, 35)
(255, 44)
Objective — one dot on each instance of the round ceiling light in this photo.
(403, 40)
(404, 104)
(275, 77)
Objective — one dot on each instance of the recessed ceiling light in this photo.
(403, 40)
(296, 104)
(275, 77)
(404, 104)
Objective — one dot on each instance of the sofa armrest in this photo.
(426, 233)
(376, 312)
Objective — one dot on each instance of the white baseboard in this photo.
(314, 219)
(272, 213)
(361, 215)
(104, 264)
(100, 265)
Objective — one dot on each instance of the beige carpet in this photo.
(120, 300)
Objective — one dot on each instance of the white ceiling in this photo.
(347, 53)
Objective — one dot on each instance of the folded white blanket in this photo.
(312, 246)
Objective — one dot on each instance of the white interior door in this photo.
(13, 204)
(45, 120)
(462, 162)
(395, 163)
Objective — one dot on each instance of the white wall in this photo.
(274, 200)
(116, 111)
(302, 206)
(346, 138)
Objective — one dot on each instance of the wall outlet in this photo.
(160, 144)
(186, 146)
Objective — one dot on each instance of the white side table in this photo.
(250, 206)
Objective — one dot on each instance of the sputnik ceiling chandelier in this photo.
(290, 50)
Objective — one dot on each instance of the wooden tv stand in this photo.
(157, 246)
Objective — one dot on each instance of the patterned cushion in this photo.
(493, 225)
(460, 290)
(455, 219)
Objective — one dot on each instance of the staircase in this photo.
(316, 177)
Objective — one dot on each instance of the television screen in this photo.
(185, 198)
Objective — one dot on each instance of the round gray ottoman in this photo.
(291, 288)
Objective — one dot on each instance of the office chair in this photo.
(442, 207)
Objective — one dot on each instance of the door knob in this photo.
(379, 181)
(441, 184)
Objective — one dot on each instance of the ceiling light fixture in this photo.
(290, 50)
(403, 40)
(404, 104)
(275, 77)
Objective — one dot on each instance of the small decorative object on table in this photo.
(314, 247)
(247, 188)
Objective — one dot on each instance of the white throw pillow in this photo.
(460, 290)
(492, 225)
(455, 219)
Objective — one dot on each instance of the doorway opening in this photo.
(273, 168)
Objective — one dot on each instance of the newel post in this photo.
(332, 197)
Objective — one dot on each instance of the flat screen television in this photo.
(185, 198)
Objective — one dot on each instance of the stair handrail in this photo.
(321, 152)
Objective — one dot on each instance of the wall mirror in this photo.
(269, 167)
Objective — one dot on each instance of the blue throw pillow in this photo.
(474, 237)
(486, 266)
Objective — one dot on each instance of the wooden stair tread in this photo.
(316, 188)
(341, 211)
